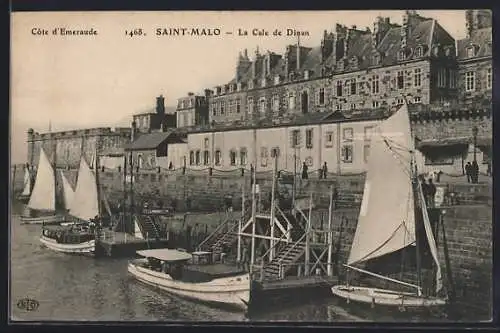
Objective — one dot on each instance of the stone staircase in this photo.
(289, 254)
(468, 194)
(148, 227)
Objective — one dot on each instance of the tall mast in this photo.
(96, 166)
(54, 166)
(416, 204)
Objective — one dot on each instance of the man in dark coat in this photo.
(468, 172)
(425, 191)
(431, 192)
(475, 172)
(305, 175)
(324, 170)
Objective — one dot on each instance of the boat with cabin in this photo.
(41, 207)
(78, 235)
(394, 225)
(194, 276)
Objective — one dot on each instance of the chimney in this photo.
(327, 45)
(380, 29)
(160, 105)
(298, 54)
(190, 93)
(133, 131)
(477, 19)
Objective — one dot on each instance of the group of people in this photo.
(472, 172)
(322, 172)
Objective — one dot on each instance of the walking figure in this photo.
(431, 192)
(305, 175)
(325, 170)
(425, 191)
(475, 172)
(468, 172)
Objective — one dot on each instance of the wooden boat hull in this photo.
(47, 219)
(404, 302)
(231, 291)
(85, 248)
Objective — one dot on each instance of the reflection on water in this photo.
(77, 288)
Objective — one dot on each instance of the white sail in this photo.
(43, 196)
(27, 182)
(386, 221)
(137, 230)
(68, 191)
(85, 201)
(430, 238)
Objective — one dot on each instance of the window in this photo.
(339, 88)
(238, 86)
(306, 75)
(205, 143)
(338, 107)
(471, 51)
(366, 153)
(250, 105)
(401, 55)
(418, 52)
(347, 153)
(329, 139)
(291, 101)
(243, 156)
(470, 81)
(417, 77)
(277, 79)
(275, 152)
(368, 133)
(417, 100)
(197, 157)
(206, 157)
(400, 101)
(214, 108)
(353, 87)
(232, 157)
(375, 84)
(140, 161)
(190, 103)
(191, 157)
(295, 138)
(250, 84)
(309, 138)
(263, 156)
(401, 80)
(353, 106)
(238, 105)
(321, 96)
(488, 78)
(375, 60)
(218, 158)
(441, 78)
(347, 134)
(231, 107)
(263, 82)
(453, 78)
(262, 105)
(276, 103)
(375, 104)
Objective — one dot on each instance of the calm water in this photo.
(70, 288)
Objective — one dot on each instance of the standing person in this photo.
(305, 175)
(325, 170)
(468, 170)
(244, 258)
(431, 192)
(488, 170)
(425, 191)
(475, 172)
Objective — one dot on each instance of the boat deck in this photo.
(115, 237)
(215, 269)
(293, 282)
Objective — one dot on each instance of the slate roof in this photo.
(482, 38)
(426, 32)
(153, 140)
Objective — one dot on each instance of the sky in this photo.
(90, 81)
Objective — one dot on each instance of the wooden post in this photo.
(125, 197)
(238, 256)
(330, 234)
(308, 229)
(273, 189)
(294, 188)
(254, 212)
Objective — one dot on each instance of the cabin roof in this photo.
(165, 254)
(151, 141)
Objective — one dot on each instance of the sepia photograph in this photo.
(251, 166)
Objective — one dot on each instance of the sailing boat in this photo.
(77, 237)
(42, 202)
(24, 196)
(392, 211)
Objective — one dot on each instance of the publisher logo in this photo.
(28, 304)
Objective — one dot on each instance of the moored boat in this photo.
(78, 235)
(178, 273)
(393, 219)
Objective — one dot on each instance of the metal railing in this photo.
(217, 231)
(229, 229)
(282, 241)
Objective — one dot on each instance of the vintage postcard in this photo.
(314, 166)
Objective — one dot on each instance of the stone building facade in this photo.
(192, 110)
(66, 148)
(352, 69)
(155, 120)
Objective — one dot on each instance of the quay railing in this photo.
(221, 228)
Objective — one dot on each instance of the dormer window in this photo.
(471, 51)
(340, 65)
(306, 75)
(277, 79)
(250, 84)
(354, 62)
(238, 86)
(419, 52)
(375, 59)
(231, 88)
(263, 82)
(401, 55)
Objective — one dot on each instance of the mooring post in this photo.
(330, 234)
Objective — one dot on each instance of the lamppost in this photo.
(474, 135)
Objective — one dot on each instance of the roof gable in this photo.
(151, 141)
